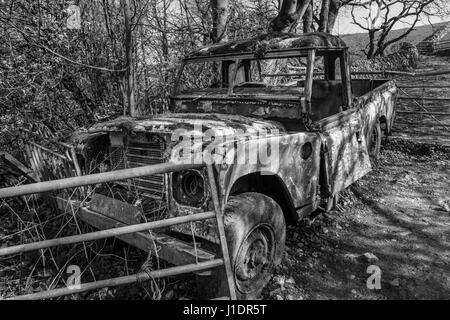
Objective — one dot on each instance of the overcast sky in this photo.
(345, 24)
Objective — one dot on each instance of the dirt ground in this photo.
(400, 213)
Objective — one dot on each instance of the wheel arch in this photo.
(269, 185)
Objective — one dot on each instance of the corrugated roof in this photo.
(272, 42)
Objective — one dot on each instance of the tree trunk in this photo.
(324, 15)
(129, 74)
(291, 11)
(371, 52)
(219, 20)
(87, 105)
(308, 19)
(333, 13)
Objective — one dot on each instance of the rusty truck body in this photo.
(288, 101)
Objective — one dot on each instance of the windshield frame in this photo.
(304, 98)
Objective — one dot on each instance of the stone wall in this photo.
(439, 34)
(427, 46)
(403, 60)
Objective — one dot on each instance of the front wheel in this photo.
(256, 232)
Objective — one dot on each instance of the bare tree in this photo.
(439, 8)
(382, 16)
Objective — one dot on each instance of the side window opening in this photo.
(202, 77)
(327, 96)
(280, 76)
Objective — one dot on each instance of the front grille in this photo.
(141, 150)
(141, 154)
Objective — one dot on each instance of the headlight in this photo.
(189, 187)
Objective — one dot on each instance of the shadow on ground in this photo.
(399, 213)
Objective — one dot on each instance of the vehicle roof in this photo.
(272, 42)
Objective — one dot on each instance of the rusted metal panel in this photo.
(348, 158)
(48, 164)
(11, 166)
(378, 103)
(116, 209)
(169, 249)
(299, 174)
(170, 122)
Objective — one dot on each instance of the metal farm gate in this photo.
(212, 261)
(423, 105)
(434, 47)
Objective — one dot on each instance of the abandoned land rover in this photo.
(289, 95)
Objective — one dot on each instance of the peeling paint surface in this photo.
(169, 122)
(273, 41)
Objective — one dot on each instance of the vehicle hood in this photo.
(220, 124)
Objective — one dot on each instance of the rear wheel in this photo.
(256, 232)
(374, 142)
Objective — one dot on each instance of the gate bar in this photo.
(112, 282)
(423, 98)
(90, 179)
(221, 229)
(405, 73)
(102, 234)
(420, 86)
(425, 113)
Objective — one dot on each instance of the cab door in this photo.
(345, 149)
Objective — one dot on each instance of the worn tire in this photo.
(256, 231)
(374, 142)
